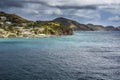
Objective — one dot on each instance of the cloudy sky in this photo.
(105, 12)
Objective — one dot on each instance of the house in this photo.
(8, 23)
(24, 24)
(41, 29)
(2, 18)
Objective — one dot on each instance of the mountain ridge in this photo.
(12, 25)
(64, 21)
(85, 27)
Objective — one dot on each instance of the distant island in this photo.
(12, 25)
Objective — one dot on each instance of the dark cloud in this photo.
(62, 6)
(20, 4)
(52, 8)
(36, 2)
(10, 3)
(77, 7)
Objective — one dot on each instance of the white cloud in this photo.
(41, 9)
(86, 10)
(53, 11)
(114, 18)
(80, 2)
(112, 8)
(88, 14)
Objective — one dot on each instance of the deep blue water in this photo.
(83, 56)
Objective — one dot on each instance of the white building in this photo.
(24, 24)
(3, 18)
(8, 23)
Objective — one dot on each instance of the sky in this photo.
(101, 12)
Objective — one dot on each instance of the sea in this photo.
(86, 55)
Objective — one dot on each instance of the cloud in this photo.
(41, 9)
(88, 14)
(10, 3)
(114, 18)
(60, 4)
(90, 4)
(112, 8)
(84, 9)
(78, 2)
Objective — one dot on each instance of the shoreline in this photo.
(44, 36)
(47, 36)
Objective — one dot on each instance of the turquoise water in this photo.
(83, 56)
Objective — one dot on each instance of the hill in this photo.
(75, 25)
(12, 25)
(13, 18)
(84, 27)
